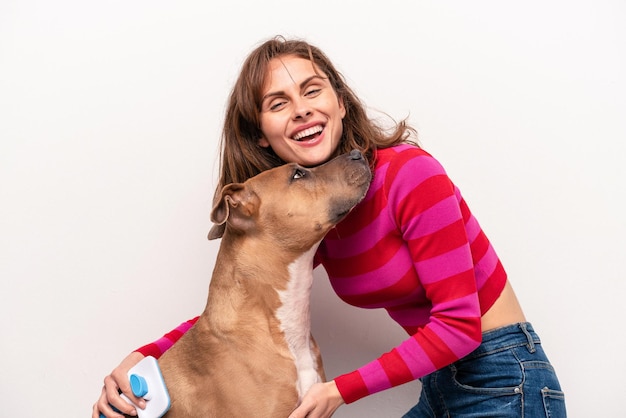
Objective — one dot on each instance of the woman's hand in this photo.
(321, 401)
(113, 383)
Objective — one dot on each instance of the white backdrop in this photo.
(109, 118)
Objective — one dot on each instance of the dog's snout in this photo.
(356, 155)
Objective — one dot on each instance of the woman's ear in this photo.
(264, 143)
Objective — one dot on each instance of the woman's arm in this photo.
(117, 381)
(433, 248)
(160, 346)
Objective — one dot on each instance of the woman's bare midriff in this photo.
(505, 311)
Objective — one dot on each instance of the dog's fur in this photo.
(251, 353)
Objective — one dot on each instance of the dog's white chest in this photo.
(295, 319)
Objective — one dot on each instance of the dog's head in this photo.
(291, 203)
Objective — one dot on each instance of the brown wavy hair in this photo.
(241, 155)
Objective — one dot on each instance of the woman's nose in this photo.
(301, 109)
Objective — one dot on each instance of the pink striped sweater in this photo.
(413, 248)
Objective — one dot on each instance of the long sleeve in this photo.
(160, 346)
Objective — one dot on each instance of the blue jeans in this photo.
(508, 375)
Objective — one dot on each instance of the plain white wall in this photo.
(109, 118)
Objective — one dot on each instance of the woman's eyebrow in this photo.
(302, 85)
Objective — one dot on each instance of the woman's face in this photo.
(301, 115)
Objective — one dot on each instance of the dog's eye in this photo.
(298, 174)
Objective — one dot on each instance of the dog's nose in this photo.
(356, 155)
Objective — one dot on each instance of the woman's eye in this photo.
(298, 174)
(276, 105)
(313, 92)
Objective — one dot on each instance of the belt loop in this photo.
(531, 343)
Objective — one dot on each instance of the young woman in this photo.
(411, 247)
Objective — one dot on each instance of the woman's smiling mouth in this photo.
(308, 133)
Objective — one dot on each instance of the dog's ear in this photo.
(216, 231)
(221, 209)
(235, 206)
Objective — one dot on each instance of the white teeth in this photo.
(308, 132)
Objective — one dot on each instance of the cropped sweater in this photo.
(412, 247)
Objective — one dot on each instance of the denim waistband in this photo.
(506, 337)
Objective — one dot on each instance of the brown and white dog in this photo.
(251, 352)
